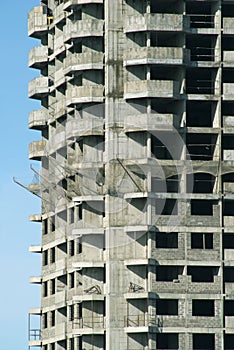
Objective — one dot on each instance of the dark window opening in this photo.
(79, 248)
(52, 318)
(52, 255)
(72, 248)
(203, 308)
(45, 226)
(203, 341)
(161, 185)
(45, 317)
(52, 224)
(53, 283)
(45, 289)
(228, 208)
(195, 109)
(166, 240)
(200, 183)
(199, 82)
(45, 257)
(228, 274)
(200, 146)
(202, 274)
(166, 207)
(168, 273)
(167, 307)
(158, 149)
(72, 280)
(229, 308)
(201, 207)
(167, 341)
(228, 240)
(228, 341)
(202, 240)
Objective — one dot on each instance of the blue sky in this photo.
(16, 204)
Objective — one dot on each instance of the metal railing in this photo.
(34, 334)
(89, 322)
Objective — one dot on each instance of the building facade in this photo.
(137, 177)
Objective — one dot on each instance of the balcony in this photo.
(152, 89)
(142, 323)
(35, 249)
(35, 280)
(38, 88)
(228, 89)
(148, 122)
(59, 108)
(37, 119)
(34, 338)
(69, 4)
(156, 55)
(38, 57)
(203, 23)
(88, 325)
(84, 94)
(59, 46)
(83, 28)
(59, 78)
(228, 25)
(59, 14)
(58, 141)
(228, 59)
(37, 150)
(37, 22)
(83, 127)
(83, 61)
(155, 22)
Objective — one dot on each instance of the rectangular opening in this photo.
(53, 318)
(201, 240)
(203, 341)
(167, 306)
(45, 320)
(167, 341)
(53, 284)
(201, 207)
(203, 308)
(52, 255)
(228, 240)
(72, 280)
(45, 289)
(200, 113)
(166, 207)
(72, 248)
(45, 226)
(228, 274)
(228, 208)
(200, 146)
(229, 308)
(168, 273)
(228, 341)
(166, 240)
(45, 258)
(202, 274)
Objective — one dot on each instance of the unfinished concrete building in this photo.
(137, 177)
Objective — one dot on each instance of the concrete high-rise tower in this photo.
(137, 174)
